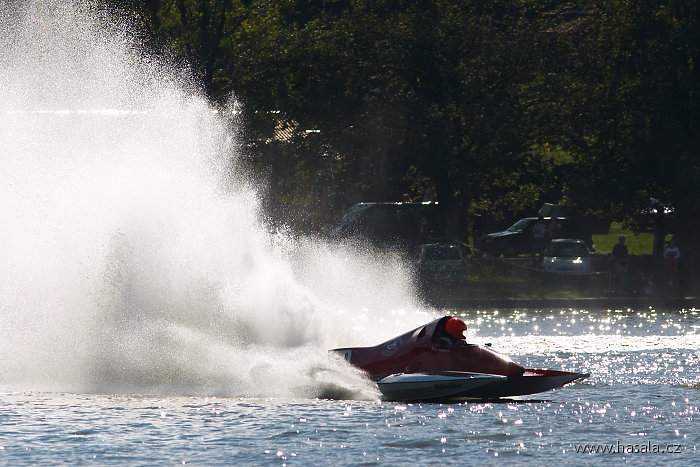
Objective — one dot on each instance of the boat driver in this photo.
(455, 327)
(454, 332)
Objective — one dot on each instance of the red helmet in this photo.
(456, 327)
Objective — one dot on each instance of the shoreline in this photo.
(595, 303)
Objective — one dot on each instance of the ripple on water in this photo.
(642, 389)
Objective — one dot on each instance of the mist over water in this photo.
(133, 256)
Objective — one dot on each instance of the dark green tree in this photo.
(633, 125)
(440, 90)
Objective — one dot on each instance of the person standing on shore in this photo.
(539, 230)
(554, 229)
(620, 257)
(672, 254)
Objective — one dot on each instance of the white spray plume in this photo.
(131, 260)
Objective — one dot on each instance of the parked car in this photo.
(517, 239)
(568, 255)
(441, 263)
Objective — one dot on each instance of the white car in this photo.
(567, 255)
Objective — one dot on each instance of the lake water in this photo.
(639, 402)
(149, 316)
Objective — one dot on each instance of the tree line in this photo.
(493, 106)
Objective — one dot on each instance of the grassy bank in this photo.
(492, 278)
(515, 278)
(637, 244)
(497, 278)
(489, 278)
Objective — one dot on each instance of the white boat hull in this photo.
(418, 387)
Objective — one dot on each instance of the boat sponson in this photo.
(422, 387)
(532, 381)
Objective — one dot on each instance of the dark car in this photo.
(518, 239)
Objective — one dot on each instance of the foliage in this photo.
(634, 89)
(498, 105)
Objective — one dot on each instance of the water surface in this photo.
(639, 401)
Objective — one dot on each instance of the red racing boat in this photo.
(429, 353)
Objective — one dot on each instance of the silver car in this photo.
(441, 263)
(567, 255)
